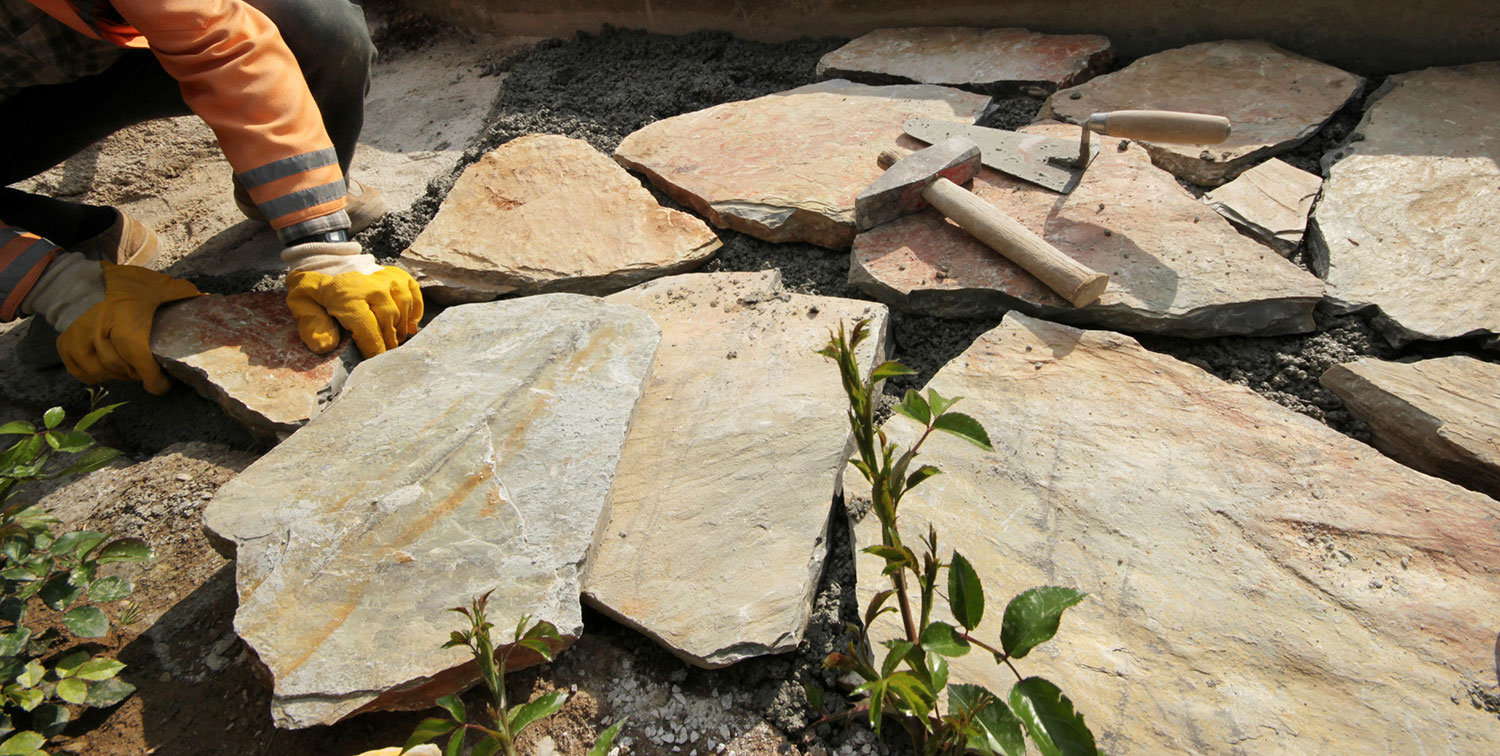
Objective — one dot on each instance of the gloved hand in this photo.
(335, 283)
(104, 312)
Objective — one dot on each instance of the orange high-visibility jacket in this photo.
(239, 77)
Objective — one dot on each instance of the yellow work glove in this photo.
(333, 284)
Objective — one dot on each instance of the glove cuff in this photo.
(329, 258)
(70, 286)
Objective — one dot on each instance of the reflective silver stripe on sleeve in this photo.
(303, 199)
(19, 267)
(286, 167)
(336, 222)
(7, 234)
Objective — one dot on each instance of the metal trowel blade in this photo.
(1049, 162)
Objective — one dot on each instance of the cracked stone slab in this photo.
(1175, 266)
(476, 457)
(1274, 99)
(1270, 202)
(719, 511)
(546, 213)
(1440, 416)
(787, 167)
(242, 351)
(997, 62)
(1408, 218)
(1241, 560)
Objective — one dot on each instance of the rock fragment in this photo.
(1271, 202)
(719, 511)
(1241, 556)
(787, 166)
(476, 457)
(1408, 219)
(547, 213)
(1175, 266)
(1274, 99)
(996, 62)
(1440, 416)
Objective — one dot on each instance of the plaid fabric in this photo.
(38, 49)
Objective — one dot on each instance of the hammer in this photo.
(931, 177)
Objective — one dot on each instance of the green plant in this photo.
(59, 572)
(506, 721)
(908, 684)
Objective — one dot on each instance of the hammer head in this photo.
(898, 191)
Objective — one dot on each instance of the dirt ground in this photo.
(198, 689)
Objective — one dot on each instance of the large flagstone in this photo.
(996, 62)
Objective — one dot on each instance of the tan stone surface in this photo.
(547, 213)
(1274, 100)
(1270, 201)
(1175, 266)
(1409, 221)
(787, 166)
(243, 352)
(476, 457)
(1258, 583)
(719, 511)
(1441, 416)
(992, 61)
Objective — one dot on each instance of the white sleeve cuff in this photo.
(69, 287)
(329, 258)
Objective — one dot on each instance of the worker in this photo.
(280, 82)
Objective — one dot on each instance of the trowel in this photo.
(1057, 163)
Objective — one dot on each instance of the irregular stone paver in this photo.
(1270, 201)
(992, 61)
(1175, 266)
(1258, 583)
(719, 512)
(242, 351)
(548, 213)
(1408, 221)
(1441, 416)
(1274, 99)
(787, 166)
(476, 457)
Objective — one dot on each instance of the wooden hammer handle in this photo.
(1161, 126)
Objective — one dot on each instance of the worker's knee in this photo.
(329, 39)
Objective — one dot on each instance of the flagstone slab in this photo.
(1440, 416)
(475, 458)
(1175, 266)
(787, 167)
(1408, 221)
(243, 352)
(997, 62)
(1274, 99)
(546, 213)
(1270, 202)
(1258, 583)
(719, 511)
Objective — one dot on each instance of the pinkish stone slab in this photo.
(993, 61)
(243, 352)
(787, 167)
(1270, 202)
(1274, 99)
(1175, 266)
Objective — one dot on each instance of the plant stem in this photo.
(1001, 655)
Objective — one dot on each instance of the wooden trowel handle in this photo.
(1161, 126)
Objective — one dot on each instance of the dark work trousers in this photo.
(42, 126)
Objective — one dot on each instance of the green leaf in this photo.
(68, 665)
(77, 544)
(13, 641)
(123, 550)
(543, 629)
(50, 719)
(89, 461)
(942, 638)
(94, 417)
(543, 707)
(877, 606)
(894, 556)
(59, 592)
(16, 427)
(22, 743)
(1032, 617)
(965, 593)
(12, 610)
(889, 369)
(455, 708)
(110, 588)
(898, 651)
(102, 668)
(923, 473)
(606, 739)
(939, 667)
(910, 690)
(915, 407)
(32, 675)
(814, 696)
(965, 427)
(992, 729)
(456, 742)
(428, 730)
(108, 692)
(52, 417)
(72, 690)
(1055, 727)
(87, 622)
(538, 646)
(73, 442)
(28, 699)
(486, 747)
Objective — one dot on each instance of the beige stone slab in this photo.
(992, 61)
(1175, 266)
(547, 213)
(1440, 416)
(1258, 583)
(787, 166)
(719, 511)
(1274, 100)
(1270, 201)
(1409, 219)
